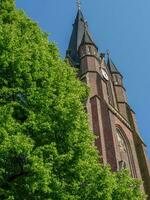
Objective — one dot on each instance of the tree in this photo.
(46, 147)
(126, 187)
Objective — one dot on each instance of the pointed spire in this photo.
(77, 36)
(111, 65)
(87, 39)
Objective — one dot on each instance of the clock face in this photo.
(105, 75)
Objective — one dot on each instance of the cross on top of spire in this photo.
(78, 4)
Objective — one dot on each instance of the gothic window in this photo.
(121, 143)
(123, 151)
(125, 156)
(89, 50)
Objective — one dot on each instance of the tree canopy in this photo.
(46, 148)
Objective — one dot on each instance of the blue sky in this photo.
(122, 26)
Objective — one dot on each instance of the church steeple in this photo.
(79, 35)
(76, 37)
(110, 117)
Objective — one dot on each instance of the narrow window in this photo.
(89, 50)
(122, 147)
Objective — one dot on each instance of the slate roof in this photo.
(78, 35)
(87, 39)
(112, 66)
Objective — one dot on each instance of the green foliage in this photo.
(46, 148)
(126, 187)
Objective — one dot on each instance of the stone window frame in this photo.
(128, 149)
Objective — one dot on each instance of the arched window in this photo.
(125, 158)
(89, 50)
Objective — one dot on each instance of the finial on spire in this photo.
(79, 4)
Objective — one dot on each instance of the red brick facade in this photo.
(110, 117)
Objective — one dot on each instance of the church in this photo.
(110, 116)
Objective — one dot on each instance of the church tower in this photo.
(110, 117)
